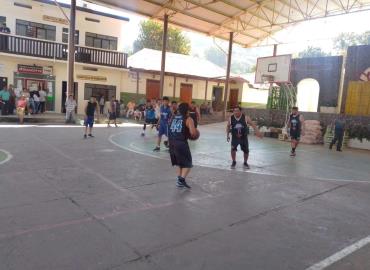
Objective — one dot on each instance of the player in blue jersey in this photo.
(150, 118)
(164, 118)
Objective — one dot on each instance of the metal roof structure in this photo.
(252, 21)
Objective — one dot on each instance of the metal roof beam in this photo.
(229, 18)
(201, 19)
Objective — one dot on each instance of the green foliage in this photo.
(150, 36)
(311, 51)
(344, 40)
(359, 131)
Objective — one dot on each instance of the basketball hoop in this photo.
(266, 78)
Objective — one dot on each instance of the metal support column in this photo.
(228, 74)
(164, 46)
(137, 85)
(174, 87)
(71, 47)
(206, 92)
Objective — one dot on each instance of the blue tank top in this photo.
(178, 130)
(165, 114)
(150, 113)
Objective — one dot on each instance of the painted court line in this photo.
(340, 254)
(8, 156)
(136, 150)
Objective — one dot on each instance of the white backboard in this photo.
(277, 66)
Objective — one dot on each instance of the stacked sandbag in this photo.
(313, 132)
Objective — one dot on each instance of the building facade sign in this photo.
(30, 69)
(91, 78)
(55, 19)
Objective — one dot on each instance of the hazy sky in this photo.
(296, 38)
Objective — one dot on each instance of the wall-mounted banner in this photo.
(91, 78)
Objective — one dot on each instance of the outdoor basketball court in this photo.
(111, 203)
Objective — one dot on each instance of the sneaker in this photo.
(157, 149)
(166, 143)
(91, 136)
(246, 165)
(233, 164)
(142, 134)
(292, 154)
(179, 183)
(183, 181)
(85, 136)
(339, 150)
(116, 125)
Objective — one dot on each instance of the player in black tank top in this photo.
(180, 128)
(90, 110)
(238, 127)
(295, 125)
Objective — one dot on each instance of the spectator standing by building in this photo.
(5, 97)
(194, 113)
(339, 125)
(70, 109)
(36, 99)
(4, 39)
(101, 104)
(42, 97)
(112, 112)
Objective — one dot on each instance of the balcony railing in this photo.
(59, 51)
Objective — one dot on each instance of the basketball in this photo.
(196, 136)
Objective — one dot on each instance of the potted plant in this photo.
(359, 135)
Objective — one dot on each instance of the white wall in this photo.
(107, 26)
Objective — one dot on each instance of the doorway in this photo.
(308, 91)
(217, 103)
(186, 93)
(64, 94)
(152, 89)
(233, 98)
(3, 82)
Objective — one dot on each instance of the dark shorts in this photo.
(163, 130)
(151, 121)
(180, 154)
(89, 121)
(295, 135)
(112, 116)
(244, 144)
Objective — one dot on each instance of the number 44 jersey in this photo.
(177, 128)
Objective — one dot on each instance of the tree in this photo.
(344, 40)
(150, 36)
(311, 51)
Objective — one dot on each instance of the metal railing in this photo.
(59, 51)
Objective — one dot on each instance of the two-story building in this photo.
(34, 56)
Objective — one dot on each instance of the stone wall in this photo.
(278, 117)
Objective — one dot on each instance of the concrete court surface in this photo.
(109, 202)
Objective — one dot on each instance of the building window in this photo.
(98, 90)
(35, 30)
(101, 41)
(65, 36)
(2, 20)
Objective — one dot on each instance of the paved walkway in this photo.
(69, 203)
